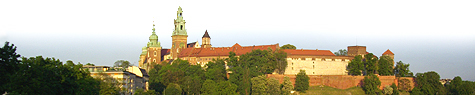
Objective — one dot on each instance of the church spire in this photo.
(153, 38)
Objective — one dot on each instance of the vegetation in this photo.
(356, 66)
(325, 90)
(288, 46)
(428, 84)
(287, 86)
(370, 63)
(122, 64)
(301, 82)
(395, 90)
(341, 52)
(387, 90)
(371, 84)
(385, 65)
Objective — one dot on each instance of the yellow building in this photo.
(132, 79)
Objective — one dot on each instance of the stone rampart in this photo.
(340, 81)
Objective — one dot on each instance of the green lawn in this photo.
(325, 90)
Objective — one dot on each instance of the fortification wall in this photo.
(340, 81)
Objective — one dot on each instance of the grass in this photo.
(325, 90)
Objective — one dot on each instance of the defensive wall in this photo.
(341, 81)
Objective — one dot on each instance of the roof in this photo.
(388, 52)
(223, 51)
(206, 34)
(308, 52)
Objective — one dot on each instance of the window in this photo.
(181, 27)
(155, 53)
(292, 63)
(313, 72)
(292, 68)
(313, 66)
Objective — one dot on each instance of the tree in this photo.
(370, 63)
(395, 91)
(9, 64)
(209, 87)
(216, 70)
(404, 84)
(341, 52)
(280, 61)
(301, 82)
(154, 79)
(109, 85)
(259, 85)
(273, 86)
(122, 63)
(387, 90)
(141, 91)
(356, 66)
(172, 89)
(288, 46)
(287, 86)
(371, 84)
(402, 70)
(385, 66)
(226, 88)
(459, 87)
(90, 64)
(428, 83)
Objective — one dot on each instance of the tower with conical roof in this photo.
(206, 40)
(151, 53)
(179, 35)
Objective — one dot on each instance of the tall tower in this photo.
(179, 36)
(151, 53)
(206, 43)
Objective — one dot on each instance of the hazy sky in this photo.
(429, 35)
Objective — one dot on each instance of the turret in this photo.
(206, 40)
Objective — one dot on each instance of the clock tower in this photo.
(179, 36)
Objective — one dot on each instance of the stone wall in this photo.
(340, 81)
(317, 65)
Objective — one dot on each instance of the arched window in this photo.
(155, 53)
(181, 27)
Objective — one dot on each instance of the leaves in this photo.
(301, 82)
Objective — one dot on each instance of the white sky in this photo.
(430, 35)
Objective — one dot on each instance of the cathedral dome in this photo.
(153, 37)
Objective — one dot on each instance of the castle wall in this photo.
(317, 65)
(341, 81)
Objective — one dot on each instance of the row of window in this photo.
(313, 59)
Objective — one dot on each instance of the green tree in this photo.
(301, 81)
(124, 64)
(172, 89)
(259, 85)
(226, 88)
(404, 84)
(280, 61)
(287, 86)
(90, 64)
(356, 65)
(385, 66)
(273, 86)
(370, 63)
(341, 52)
(216, 70)
(209, 87)
(429, 84)
(9, 64)
(141, 91)
(288, 46)
(109, 85)
(395, 89)
(371, 84)
(388, 90)
(402, 70)
(154, 79)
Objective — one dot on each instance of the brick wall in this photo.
(339, 81)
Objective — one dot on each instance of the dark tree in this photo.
(385, 66)
(428, 83)
(288, 46)
(371, 85)
(341, 52)
(402, 70)
(124, 64)
(9, 64)
(356, 66)
(301, 81)
(370, 63)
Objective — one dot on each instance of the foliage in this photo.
(341, 52)
(252, 64)
(172, 89)
(288, 46)
(180, 72)
(90, 64)
(459, 87)
(404, 84)
(417, 91)
(141, 91)
(428, 83)
(273, 86)
(371, 84)
(402, 70)
(301, 81)
(209, 87)
(259, 85)
(387, 90)
(109, 85)
(216, 70)
(385, 65)
(9, 64)
(287, 86)
(395, 90)
(356, 66)
(123, 64)
(370, 63)
(154, 79)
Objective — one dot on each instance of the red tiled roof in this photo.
(308, 52)
(223, 51)
(388, 52)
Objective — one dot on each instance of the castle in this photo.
(315, 62)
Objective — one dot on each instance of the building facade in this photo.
(132, 79)
(314, 62)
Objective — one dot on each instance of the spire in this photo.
(206, 34)
(153, 27)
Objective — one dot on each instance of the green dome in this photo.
(144, 51)
(153, 37)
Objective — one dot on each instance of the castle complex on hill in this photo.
(314, 62)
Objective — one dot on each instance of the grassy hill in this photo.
(325, 90)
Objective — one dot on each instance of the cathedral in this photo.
(314, 62)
